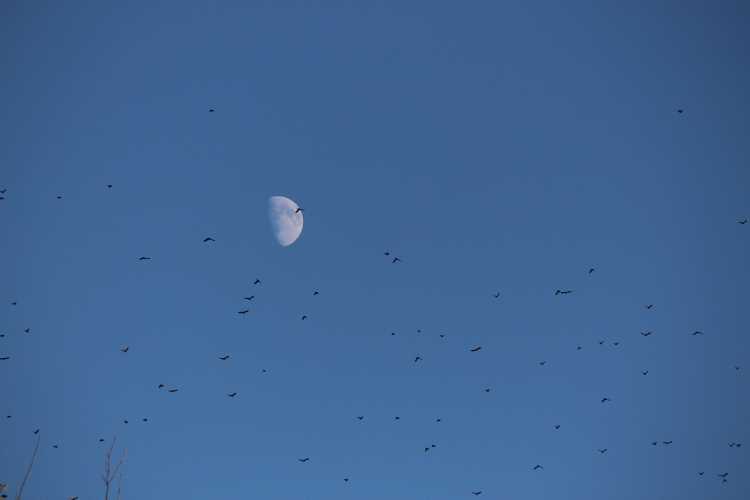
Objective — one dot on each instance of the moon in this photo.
(286, 222)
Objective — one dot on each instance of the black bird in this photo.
(14, 303)
(224, 357)
(496, 295)
(697, 332)
(304, 317)
(36, 431)
(654, 443)
(417, 358)
(735, 445)
(2, 335)
(315, 292)
(426, 449)
(742, 221)
(542, 363)
(736, 367)
(603, 450)
(27, 330)
(172, 390)
(393, 333)
(3, 191)
(591, 270)
(648, 306)
(256, 282)
(8, 416)
(680, 111)
(601, 342)
(303, 460)
(442, 335)
(232, 394)
(162, 386)
(604, 400)
(396, 418)
(438, 420)
(144, 419)
(244, 311)
(723, 475)
(207, 239)
(387, 253)
(249, 298)
(615, 344)
(538, 467)
(395, 259)
(4, 358)
(666, 442)
(557, 426)
(578, 348)
(647, 333)
(124, 348)
(563, 292)
(299, 209)
(59, 197)
(361, 417)
(700, 473)
(144, 258)
(476, 493)
(475, 349)
(101, 440)
(346, 479)
(487, 390)
(124, 421)
(645, 372)
(211, 110)
(109, 186)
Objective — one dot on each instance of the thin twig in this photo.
(28, 469)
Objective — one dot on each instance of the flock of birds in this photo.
(722, 475)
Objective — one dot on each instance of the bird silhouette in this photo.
(645, 372)
(211, 110)
(27, 330)
(487, 390)
(172, 390)
(417, 358)
(701, 473)
(649, 306)
(395, 259)
(303, 460)
(496, 295)
(542, 363)
(144, 419)
(162, 386)
(387, 253)
(680, 111)
(315, 292)
(361, 417)
(125, 422)
(299, 210)
(615, 344)
(249, 298)
(124, 348)
(4, 358)
(742, 221)
(208, 239)
(244, 311)
(591, 270)
(605, 400)
(224, 357)
(438, 420)
(475, 349)
(144, 258)
(346, 479)
(557, 427)
(396, 418)
(109, 186)
(723, 475)
(654, 443)
(59, 197)
(735, 445)
(563, 292)
(602, 450)
(304, 317)
(256, 282)
(538, 467)
(601, 342)
(232, 394)
(666, 442)
(647, 333)
(14, 303)
(476, 493)
(426, 449)
(578, 348)
(697, 332)
(36, 431)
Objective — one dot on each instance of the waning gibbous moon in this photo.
(286, 220)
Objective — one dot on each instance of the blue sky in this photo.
(493, 146)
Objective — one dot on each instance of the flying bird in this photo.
(697, 332)
(211, 110)
(701, 473)
(601, 342)
(304, 317)
(475, 349)
(172, 390)
(680, 111)
(361, 417)
(645, 372)
(396, 418)
(615, 344)
(602, 450)
(723, 475)
(604, 400)
(542, 363)
(27, 330)
(496, 295)
(36, 431)
(666, 442)
(315, 292)
(4, 358)
(162, 386)
(417, 358)
(557, 427)
(249, 298)
(476, 493)
(649, 306)
(303, 460)
(654, 443)
(224, 357)
(244, 311)
(591, 270)
(207, 239)
(742, 221)
(538, 467)
(124, 348)
(487, 390)
(232, 394)
(563, 292)
(109, 186)
(299, 209)
(395, 259)
(578, 348)
(647, 333)
(387, 253)
(144, 258)
(256, 282)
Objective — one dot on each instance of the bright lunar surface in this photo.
(286, 222)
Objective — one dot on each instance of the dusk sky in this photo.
(492, 146)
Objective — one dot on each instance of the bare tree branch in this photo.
(28, 469)
(109, 473)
